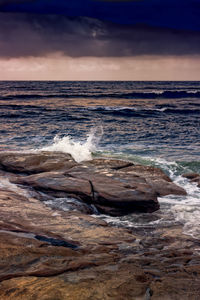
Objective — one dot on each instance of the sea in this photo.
(152, 123)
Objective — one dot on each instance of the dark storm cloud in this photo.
(176, 14)
(38, 35)
(99, 27)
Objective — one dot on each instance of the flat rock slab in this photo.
(115, 187)
(37, 241)
(35, 162)
(37, 260)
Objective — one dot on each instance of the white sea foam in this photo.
(68, 204)
(80, 150)
(109, 108)
(185, 209)
(6, 184)
(157, 92)
(161, 109)
(188, 210)
(193, 92)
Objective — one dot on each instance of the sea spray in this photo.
(79, 150)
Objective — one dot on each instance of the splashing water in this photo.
(80, 151)
(185, 209)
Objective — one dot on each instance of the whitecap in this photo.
(79, 150)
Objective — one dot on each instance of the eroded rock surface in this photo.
(115, 187)
(51, 254)
(35, 162)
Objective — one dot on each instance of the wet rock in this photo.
(193, 177)
(98, 189)
(113, 183)
(55, 242)
(156, 178)
(125, 198)
(116, 187)
(64, 203)
(164, 188)
(58, 181)
(35, 162)
(115, 212)
(197, 180)
(115, 164)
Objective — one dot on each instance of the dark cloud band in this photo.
(38, 35)
(175, 14)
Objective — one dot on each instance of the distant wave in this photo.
(138, 112)
(84, 113)
(157, 94)
(182, 111)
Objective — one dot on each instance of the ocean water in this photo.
(153, 123)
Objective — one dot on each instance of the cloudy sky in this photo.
(100, 39)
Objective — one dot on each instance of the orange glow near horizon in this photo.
(59, 67)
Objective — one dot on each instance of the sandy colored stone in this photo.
(108, 263)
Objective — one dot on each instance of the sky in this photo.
(99, 40)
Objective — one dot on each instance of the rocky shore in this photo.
(51, 254)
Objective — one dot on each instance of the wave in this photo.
(156, 94)
(138, 112)
(182, 111)
(79, 150)
(185, 209)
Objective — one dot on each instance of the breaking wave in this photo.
(138, 112)
(79, 150)
(184, 210)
